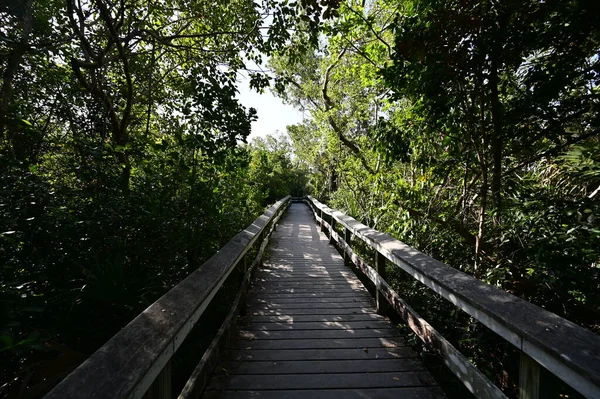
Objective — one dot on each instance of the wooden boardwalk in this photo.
(312, 330)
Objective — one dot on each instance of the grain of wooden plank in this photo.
(324, 279)
(308, 274)
(320, 366)
(292, 312)
(313, 266)
(374, 393)
(320, 334)
(316, 284)
(302, 276)
(314, 305)
(323, 325)
(313, 290)
(276, 344)
(310, 295)
(291, 266)
(401, 352)
(309, 318)
(322, 381)
(331, 299)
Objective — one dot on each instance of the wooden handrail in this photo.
(128, 364)
(567, 350)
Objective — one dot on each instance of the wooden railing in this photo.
(565, 349)
(136, 361)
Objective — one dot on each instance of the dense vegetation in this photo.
(467, 129)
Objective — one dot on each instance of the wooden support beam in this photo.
(348, 240)
(246, 265)
(331, 230)
(529, 378)
(382, 304)
(161, 387)
(321, 221)
(535, 382)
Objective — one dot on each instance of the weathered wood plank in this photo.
(278, 262)
(321, 354)
(336, 305)
(328, 311)
(308, 281)
(317, 284)
(316, 318)
(320, 334)
(320, 366)
(352, 303)
(307, 273)
(352, 299)
(379, 393)
(343, 294)
(324, 325)
(308, 293)
(309, 288)
(276, 344)
(322, 381)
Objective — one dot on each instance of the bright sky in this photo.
(273, 114)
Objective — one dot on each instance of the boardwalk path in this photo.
(312, 330)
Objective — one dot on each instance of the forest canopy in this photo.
(467, 129)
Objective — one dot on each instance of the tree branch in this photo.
(554, 150)
(329, 105)
(120, 136)
(377, 35)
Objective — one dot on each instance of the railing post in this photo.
(331, 229)
(161, 387)
(535, 382)
(382, 305)
(529, 378)
(347, 238)
(322, 220)
(246, 264)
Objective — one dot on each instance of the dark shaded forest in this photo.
(466, 129)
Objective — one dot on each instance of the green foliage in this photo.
(273, 173)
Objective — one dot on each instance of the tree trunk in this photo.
(333, 178)
(496, 140)
(12, 65)
(481, 219)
